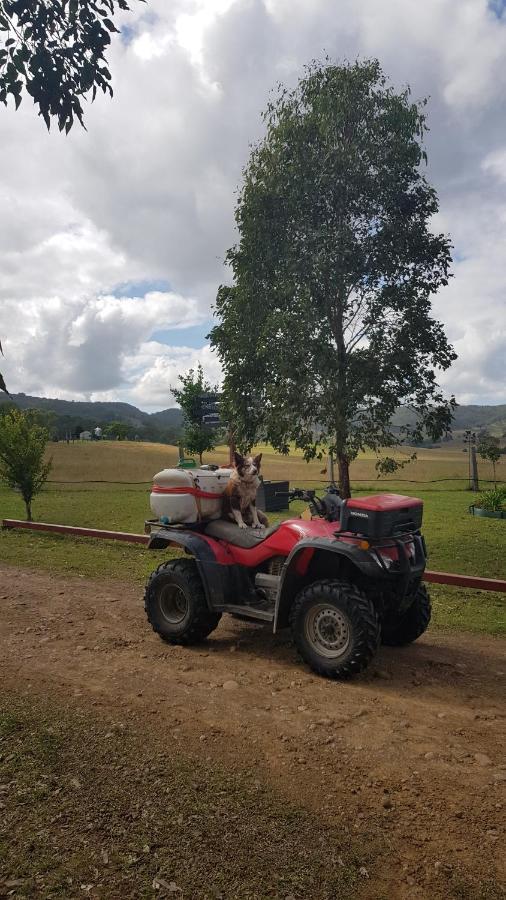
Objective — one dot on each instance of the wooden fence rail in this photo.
(451, 578)
(76, 531)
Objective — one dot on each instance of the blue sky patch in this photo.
(498, 7)
(128, 33)
(194, 336)
(140, 288)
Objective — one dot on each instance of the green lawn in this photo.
(457, 542)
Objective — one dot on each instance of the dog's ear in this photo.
(256, 461)
(238, 459)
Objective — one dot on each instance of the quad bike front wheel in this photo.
(175, 603)
(335, 628)
(407, 627)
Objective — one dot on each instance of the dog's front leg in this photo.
(256, 521)
(236, 512)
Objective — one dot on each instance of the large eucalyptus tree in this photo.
(327, 328)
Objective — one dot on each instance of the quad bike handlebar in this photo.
(327, 507)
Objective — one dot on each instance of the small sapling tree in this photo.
(327, 327)
(22, 455)
(489, 448)
(197, 437)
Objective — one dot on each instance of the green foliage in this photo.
(22, 449)
(198, 438)
(327, 328)
(54, 50)
(119, 430)
(489, 448)
(6, 408)
(493, 500)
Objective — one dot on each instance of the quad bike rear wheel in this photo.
(175, 603)
(407, 627)
(335, 628)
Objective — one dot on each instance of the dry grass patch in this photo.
(94, 808)
(137, 462)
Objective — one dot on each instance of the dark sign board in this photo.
(210, 410)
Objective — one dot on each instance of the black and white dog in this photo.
(239, 497)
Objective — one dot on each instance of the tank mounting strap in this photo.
(195, 492)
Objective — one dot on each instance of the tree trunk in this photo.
(28, 504)
(341, 420)
(344, 476)
(200, 458)
(231, 448)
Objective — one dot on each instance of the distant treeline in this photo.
(64, 417)
(67, 427)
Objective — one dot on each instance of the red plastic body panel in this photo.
(220, 549)
(278, 544)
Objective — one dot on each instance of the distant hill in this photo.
(74, 416)
(166, 424)
(475, 417)
(172, 417)
(472, 417)
(100, 411)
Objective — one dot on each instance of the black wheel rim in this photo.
(173, 604)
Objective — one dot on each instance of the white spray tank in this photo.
(188, 495)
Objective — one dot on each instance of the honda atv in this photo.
(345, 580)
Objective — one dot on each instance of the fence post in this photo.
(474, 469)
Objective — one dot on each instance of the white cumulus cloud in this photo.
(146, 195)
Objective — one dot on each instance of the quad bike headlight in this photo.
(383, 560)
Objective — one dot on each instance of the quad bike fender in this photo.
(209, 568)
(330, 559)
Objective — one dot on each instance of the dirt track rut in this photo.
(413, 749)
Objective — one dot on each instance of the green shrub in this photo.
(493, 500)
(22, 461)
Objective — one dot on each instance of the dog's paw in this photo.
(258, 527)
(242, 525)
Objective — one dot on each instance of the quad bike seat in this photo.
(239, 537)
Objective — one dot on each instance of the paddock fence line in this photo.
(450, 578)
(322, 481)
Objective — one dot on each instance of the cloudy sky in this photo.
(112, 240)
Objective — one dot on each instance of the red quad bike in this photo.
(344, 581)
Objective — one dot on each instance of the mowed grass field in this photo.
(86, 490)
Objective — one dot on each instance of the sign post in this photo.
(211, 417)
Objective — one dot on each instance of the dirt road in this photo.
(413, 750)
